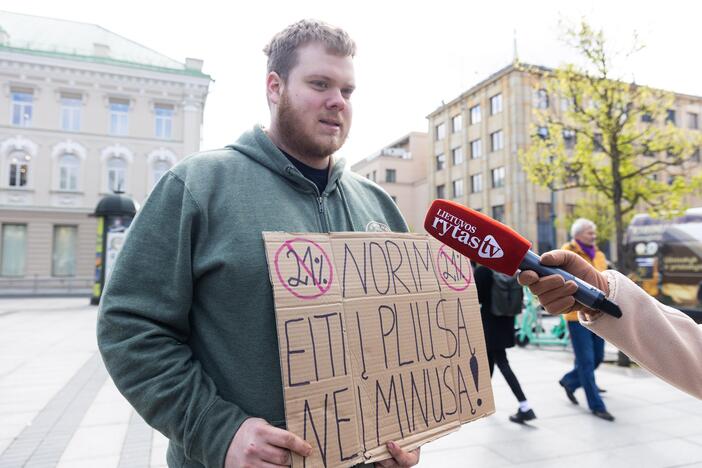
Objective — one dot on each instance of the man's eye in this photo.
(346, 92)
(320, 84)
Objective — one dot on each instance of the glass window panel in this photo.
(64, 251)
(14, 248)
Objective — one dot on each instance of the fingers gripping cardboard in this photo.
(380, 339)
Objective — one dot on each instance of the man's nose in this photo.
(336, 100)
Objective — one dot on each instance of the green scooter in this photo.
(530, 327)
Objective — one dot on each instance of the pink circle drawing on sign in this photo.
(456, 275)
(311, 267)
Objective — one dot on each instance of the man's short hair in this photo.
(580, 225)
(282, 50)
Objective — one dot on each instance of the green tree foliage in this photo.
(614, 140)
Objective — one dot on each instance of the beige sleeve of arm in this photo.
(659, 338)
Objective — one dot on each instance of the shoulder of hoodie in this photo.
(206, 162)
(359, 183)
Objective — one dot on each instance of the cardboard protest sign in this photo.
(380, 339)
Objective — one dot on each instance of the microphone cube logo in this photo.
(489, 248)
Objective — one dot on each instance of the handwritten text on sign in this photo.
(380, 339)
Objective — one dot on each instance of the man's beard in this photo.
(295, 138)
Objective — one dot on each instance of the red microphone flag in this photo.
(477, 236)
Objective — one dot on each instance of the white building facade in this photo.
(83, 113)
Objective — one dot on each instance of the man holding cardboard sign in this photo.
(187, 327)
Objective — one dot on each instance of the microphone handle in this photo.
(587, 294)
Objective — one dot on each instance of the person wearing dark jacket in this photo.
(499, 335)
(187, 324)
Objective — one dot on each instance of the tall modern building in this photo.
(474, 144)
(400, 168)
(84, 112)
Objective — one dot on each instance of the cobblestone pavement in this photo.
(58, 408)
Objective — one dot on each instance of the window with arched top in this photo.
(18, 169)
(158, 168)
(69, 168)
(116, 174)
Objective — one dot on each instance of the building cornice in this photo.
(90, 71)
(47, 209)
(99, 137)
(96, 60)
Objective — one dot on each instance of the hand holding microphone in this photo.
(502, 249)
(554, 293)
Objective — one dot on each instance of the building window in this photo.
(476, 183)
(496, 141)
(70, 112)
(119, 116)
(440, 161)
(693, 120)
(390, 175)
(646, 117)
(476, 149)
(440, 131)
(498, 213)
(69, 168)
(457, 188)
(695, 155)
(164, 121)
(496, 104)
(14, 248)
(116, 174)
(671, 116)
(597, 142)
(544, 228)
(374, 176)
(542, 132)
(63, 260)
(566, 104)
(569, 138)
(19, 169)
(22, 104)
(475, 116)
(457, 155)
(159, 168)
(441, 191)
(394, 198)
(498, 177)
(542, 99)
(456, 123)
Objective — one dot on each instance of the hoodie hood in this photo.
(257, 146)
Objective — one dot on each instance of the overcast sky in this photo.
(411, 55)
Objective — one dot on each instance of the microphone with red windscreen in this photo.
(500, 248)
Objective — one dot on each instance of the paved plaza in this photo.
(58, 408)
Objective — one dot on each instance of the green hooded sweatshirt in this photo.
(186, 325)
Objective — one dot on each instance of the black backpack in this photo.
(506, 295)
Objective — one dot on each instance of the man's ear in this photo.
(274, 87)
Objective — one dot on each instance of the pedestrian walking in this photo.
(500, 298)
